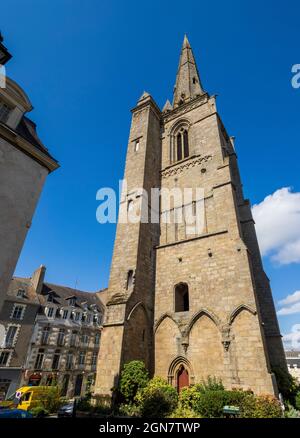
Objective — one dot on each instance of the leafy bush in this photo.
(261, 406)
(288, 386)
(83, 404)
(133, 378)
(181, 412)
(297, 400)
(291, 412)
(51, 400)
(101, 405)
(189, 397)
(210, 403)
(129, 410)
(157, 399)
(39, 411)
(211, 384)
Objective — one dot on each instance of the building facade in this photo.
(293, 363)
(24, 165)
(17, 315)
(188, 301)
(52, 336)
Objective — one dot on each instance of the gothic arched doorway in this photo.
(182, 378)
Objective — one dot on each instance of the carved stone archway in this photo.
(180, 372)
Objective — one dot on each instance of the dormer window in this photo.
(72, 301)
(4, 112)
(50, 312)
(50, 298)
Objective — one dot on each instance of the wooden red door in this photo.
(182, 378)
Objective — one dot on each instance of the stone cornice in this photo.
(178, 167)
(148, 101)
(25, 146)
(203, 236)
(185, 107)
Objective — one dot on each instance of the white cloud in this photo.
(277, 220)
(290, 299)
(292, 339)
(291, 304)
(290, 310)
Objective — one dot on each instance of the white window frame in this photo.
(15, 338)
(50, 310)
(22, 306)
(8, 358)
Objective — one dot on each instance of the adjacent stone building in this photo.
(189, 302)
(17, 315)
(293, 363)
(52, 335)
(24, 165)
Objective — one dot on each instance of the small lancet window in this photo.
(182, 298)
(182, 145)
(129, 282)
(179, 147)
(185, 144)
(136, 145)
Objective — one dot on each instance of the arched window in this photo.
(182, 144)
(182, 297)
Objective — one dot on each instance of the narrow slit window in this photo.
(182, 298)
(129, 279)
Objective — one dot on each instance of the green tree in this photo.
(134, 377)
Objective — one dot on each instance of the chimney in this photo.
(37, 279)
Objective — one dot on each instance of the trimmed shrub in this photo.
(157, 399)
(134, 377)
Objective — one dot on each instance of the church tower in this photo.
(191, 301)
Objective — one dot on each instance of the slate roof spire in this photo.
(188, 84)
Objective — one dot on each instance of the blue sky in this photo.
(85, 64)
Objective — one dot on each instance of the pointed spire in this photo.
(188, 85)
(167, 107)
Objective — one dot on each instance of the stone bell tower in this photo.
(190, 301)
(128, 326)
(214, 312)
